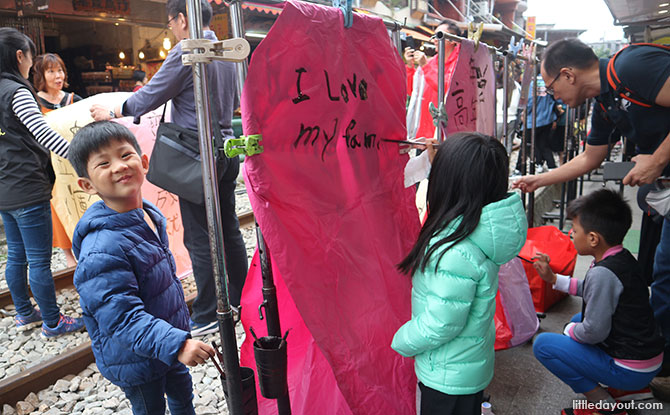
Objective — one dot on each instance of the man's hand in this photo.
(527, 184)
(101, 113)
(409, 56)
(194, 352)
(541, 265)
(420, 58)
(646, 170)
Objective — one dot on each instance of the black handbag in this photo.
(175, 163)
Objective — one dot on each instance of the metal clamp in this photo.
(247, 145)
(475, 33)
(515, 48)
(347, 13)
(439, 114)
(233, 50)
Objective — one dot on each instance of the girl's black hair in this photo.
(11, 40)
(469, 172)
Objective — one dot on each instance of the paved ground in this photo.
(521, 385)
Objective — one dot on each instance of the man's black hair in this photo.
(605, 212)
(568, 53)
(453, 28)
(92, 138)
(174, 7)
(138, 76)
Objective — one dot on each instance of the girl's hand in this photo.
(541, 265)
(431, 143)
(428, 144)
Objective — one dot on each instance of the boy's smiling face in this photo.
(116, 173)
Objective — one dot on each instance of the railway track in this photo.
(71, 361)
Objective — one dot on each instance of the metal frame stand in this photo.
(531, 196)
(441, 110)
(564, 185)
(505, 106)
(200, 56)
(269, 290)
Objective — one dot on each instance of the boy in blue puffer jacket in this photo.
(132, 301)
(473, 227)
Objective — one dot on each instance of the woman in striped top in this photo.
(26, 181)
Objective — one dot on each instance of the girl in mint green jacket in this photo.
(473, 227)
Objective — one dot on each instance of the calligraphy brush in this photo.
(218, 353)
(217, 366)
(390, 140)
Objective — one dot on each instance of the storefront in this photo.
(101, 42)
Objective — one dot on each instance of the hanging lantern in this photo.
(122, 55)
(162, 54)
(141, 55)
(167, 45)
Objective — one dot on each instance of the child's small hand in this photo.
(541, 265)
(194, 352)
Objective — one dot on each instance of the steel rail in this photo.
(70, 361)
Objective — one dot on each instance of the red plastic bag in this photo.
(503, 329)
(551, 241)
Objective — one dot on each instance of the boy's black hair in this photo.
(568, 53)
(138, 76)
(604, 212)
(93, 137)
(174, 7)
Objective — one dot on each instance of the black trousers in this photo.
(196, 240)
(437, 403)
(542, 147)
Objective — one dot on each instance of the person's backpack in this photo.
(622, 91)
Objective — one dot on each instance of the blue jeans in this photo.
(29, 238)
(583, 366)
(149, 399)
(660, 288)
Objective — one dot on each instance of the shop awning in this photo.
(640, 11)
(258, 7)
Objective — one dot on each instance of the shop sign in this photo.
(29, 7)
(116, 7)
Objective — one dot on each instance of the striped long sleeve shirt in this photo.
(28, 112)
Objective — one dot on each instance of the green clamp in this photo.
(439, 114)
(247, 145)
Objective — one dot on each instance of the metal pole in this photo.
(531, 196)
(564, 200)
(223, 313)
(395, 37)
(271, 307)
(579, 137)
(505, 106)
(269, 290)
(440, 80)
(237, 27)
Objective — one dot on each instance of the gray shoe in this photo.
(660, 387)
